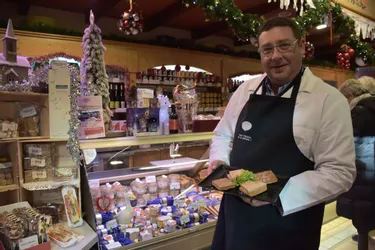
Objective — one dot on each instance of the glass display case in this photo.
(142, 193)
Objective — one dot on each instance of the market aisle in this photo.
(337, 235)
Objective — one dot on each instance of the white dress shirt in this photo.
(323, 132)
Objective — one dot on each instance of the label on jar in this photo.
(174, 185)
(35, 162)
(150, 179)
(28, 112)
(35, 151)
(185, 219)
(113, 245)
(111, 224)
(42, 174)
(173, 124)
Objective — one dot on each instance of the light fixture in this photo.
(324, 23)
(116, 162)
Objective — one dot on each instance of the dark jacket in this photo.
(358, 203)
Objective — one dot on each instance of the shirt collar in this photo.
(269, 90)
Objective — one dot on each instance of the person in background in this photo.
(291, 122)
(359, 203)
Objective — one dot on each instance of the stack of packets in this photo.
(159, 217)
(21, 223)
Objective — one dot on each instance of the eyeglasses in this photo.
(283, 47)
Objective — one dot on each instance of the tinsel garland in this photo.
(245, 26)
(74, 122)
(15, 86)
(39, 75)
(46, 58)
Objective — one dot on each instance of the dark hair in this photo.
(281, 22)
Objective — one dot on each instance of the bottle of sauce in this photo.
(117, 97)
(111, 96)
(173, 121)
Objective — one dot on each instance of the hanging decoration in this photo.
(285, 4)
(309, 50)
(344, 56)
(131, 22)
(245, 26)
(177, 68)
(364, 27)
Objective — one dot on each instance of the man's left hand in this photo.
(255, 203)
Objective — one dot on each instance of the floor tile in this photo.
(345, 246)
(324, 237)
(330, 242)
(346, 233)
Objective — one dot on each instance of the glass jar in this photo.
(163, 182)
(139, 187)
(174, 185)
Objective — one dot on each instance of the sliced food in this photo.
(223, 184)
(253, 188)
(267, 177)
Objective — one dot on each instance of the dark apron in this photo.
(268, 145)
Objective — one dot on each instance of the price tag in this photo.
(35, 151)
(174, 185)
(35, 162)
(150, 179)
(185, 219)
(28, 112)
(28, 242)
(193, 205)
(94, 183)
(179, 203)
(8, 126)
(39, 174)
(201, 203)
(113, 245)
(111, 224)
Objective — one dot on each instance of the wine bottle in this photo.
(111, 96)
(173, 121)
(122, 96)
(117, 97)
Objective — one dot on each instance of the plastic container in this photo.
(174, 185)
(163, 193)
(163, 182)
(139, 187)
(152, 187)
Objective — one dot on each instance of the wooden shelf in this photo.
(9, 188)
(7, 96)
(25, 139)
(140, 140)
(49, 185)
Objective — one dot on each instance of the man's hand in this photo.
(255, 203)
(213, 165)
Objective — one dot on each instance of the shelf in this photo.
(48, 185)
(26, 139)
(9, 188)
(141, 140)
(89, 240)
(7, 96)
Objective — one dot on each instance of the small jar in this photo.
(120, 196)
(163, 182)
(163, 193)
(174, 185)
(152, 187)
(139, 187)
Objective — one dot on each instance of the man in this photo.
(291, 122)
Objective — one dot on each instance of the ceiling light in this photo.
(116, 162)
(324, 23)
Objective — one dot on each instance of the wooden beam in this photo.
(216, 27)
(162, 17)
(100, 8)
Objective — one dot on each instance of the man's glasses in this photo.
(283, 47)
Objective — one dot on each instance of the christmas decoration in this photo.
(94, 79)
(177, 68)
(344, 56)
(131, 22)
(360, 62)
(309, 50)
(285, 4)
(187, 67)
(74, 122)
(47, 58)
(15, 86)
(163, 69)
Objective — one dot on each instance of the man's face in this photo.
(281, 67)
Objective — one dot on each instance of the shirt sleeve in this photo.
(222, 141)
(334, 156)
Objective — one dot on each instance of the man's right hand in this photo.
(213, 165)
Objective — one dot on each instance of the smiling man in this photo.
(291, 122)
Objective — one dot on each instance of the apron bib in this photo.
(264, 140)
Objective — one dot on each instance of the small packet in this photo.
(63, 236)
(29, 120)
(72, 208)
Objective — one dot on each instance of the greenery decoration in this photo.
(246, 26)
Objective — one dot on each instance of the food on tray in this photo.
(223, 184)
(242, 177)
(233, 174)
(267, 177)
(253, 188)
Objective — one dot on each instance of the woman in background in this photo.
(358, 204)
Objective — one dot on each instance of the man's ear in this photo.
(302, 44)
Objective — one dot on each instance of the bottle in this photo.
(173, 121)
(117, 97)
(122, 96)
(111, 96)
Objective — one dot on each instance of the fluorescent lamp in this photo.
(173, 164)
(324, 23)
(321, 26)
(116, 162)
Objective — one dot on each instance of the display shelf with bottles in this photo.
(165, 202)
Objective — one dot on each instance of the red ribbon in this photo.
(330, 27)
